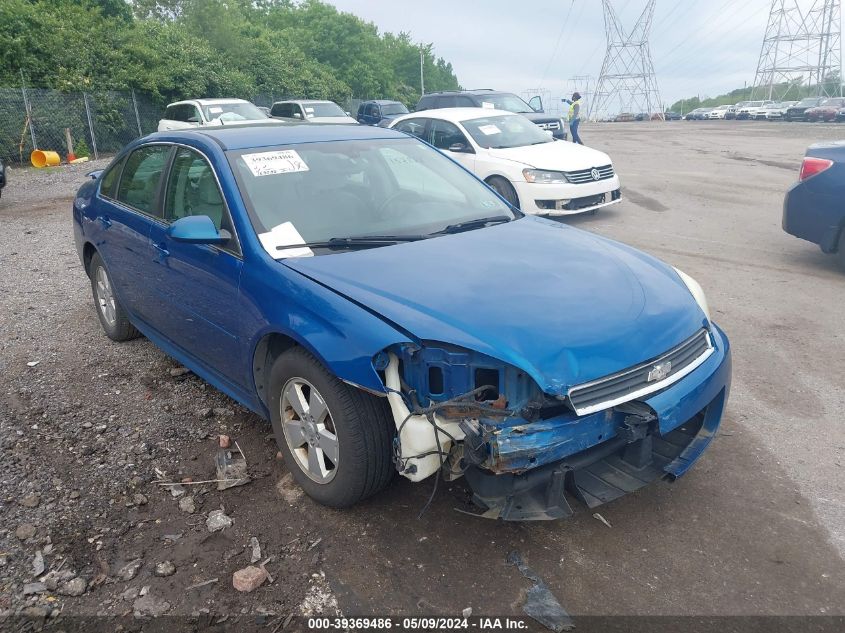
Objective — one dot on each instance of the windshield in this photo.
(503, 131)
(808, 102)
(322, 109)
(511, 103)
(393, 108)
(833, 102)
(233, 112)
(390, 187)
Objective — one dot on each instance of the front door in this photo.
(198, 283)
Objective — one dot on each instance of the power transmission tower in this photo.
(801, 50)
(627, 82)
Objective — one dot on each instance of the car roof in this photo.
(380, 101)
(456, 115)
(303, 101)
(205, 102)
(257, 135)
(474, 92)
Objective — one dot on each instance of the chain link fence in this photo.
(100, 123)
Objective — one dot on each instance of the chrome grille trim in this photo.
(552, 125)
(632, 383)
(586, 175)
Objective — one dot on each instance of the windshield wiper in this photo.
(473, 224)
(364, 241)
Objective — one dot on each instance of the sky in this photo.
(699, 47)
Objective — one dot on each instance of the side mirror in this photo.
(461, 148)
(197, 229)
(536, 103)
(297, 115)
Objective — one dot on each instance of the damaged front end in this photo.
(523, 452)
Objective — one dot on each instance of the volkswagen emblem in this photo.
(595, 174)
(659, 371)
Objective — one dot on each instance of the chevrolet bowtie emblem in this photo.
(659, 371)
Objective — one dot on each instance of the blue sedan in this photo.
(388, 312)
(814, 207)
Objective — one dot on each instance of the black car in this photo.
(486, 98)
(672, 116)
(2, 177)
(796, 112)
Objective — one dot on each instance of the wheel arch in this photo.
(88, 252)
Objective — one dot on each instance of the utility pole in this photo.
(801, 47)
(627, 79)
(422, 66)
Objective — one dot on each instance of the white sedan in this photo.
(524, 164)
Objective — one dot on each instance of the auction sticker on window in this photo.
(271, 163)
(489, 129)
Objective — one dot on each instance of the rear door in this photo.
(197, 284)
(127, 207)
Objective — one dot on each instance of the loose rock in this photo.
(25, 531)
(150, 606)
(74, 587)
(140, 500)
(130, 569)
(165, 568)
(38, 563)
(217, 520)
(224, 441)
(248, 579)
(187, 504)
(31, 500)
(34, 587)
(179, 371)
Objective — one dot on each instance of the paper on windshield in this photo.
(215, 110)
(271, 163)
(488, 105)
(284, 235)
(489, 129)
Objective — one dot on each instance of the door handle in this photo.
(104, 221)
(162, 251)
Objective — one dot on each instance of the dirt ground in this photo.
(757, 526)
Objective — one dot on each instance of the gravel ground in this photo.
(755, 528)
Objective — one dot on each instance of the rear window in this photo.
(108, 185)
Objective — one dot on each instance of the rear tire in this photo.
(111, 313)
(840, 251)
(504, 189)
(338, 446)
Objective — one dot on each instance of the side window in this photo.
(141, 175)
(446, 102)
(192, 190)
(192, 114)
(464, 102)
(445, 134)
(108, 186)
(412, 126)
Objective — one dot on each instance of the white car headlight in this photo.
(695, 291)
(544, 176)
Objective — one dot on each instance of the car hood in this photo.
(540, 117)
(563, 305)
(557, 155)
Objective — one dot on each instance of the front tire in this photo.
(504, 189)
(112, 315)
(336, 440)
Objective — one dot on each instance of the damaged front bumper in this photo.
(526, 471)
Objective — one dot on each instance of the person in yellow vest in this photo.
(575, 117)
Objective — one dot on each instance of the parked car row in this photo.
(810, 109)
(214, 112)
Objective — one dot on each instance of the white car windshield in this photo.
(322, 110)
(359, 189)
(233, 112)
(500, 132)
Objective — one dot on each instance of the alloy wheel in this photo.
(105, 297)
(309, 430)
